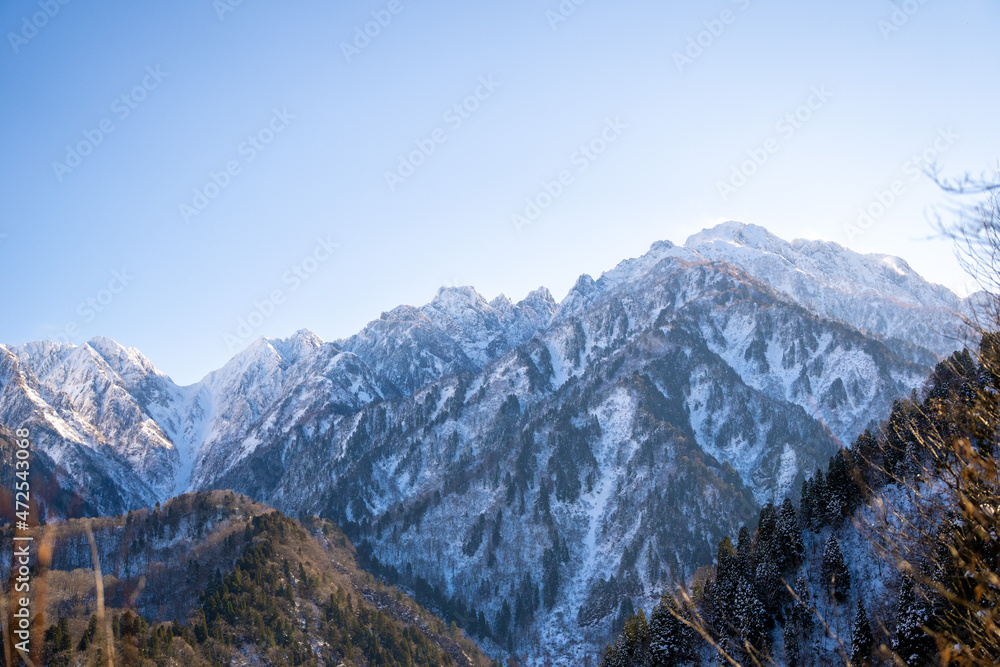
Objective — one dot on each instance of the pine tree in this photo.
(502, 624)
(550, 577)
(767, 526)
(744, 553)
(913, 644)
(866, 451)
(482, 626)
(844, 493)
(88, 636)
(862, 642)
(66, 642)
(631, 649)
(835, 574)
(798, 622)
(821, 501)
(751, 619)
(788, 536)
(793, 648)
(724, 587)
(58, 644)
(671, 641)
(802, 614)
(807, 502)
(767, 582)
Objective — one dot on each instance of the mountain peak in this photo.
(539, 298)
(458, 298)
(660, 246)
(874, 292)
(736, 233)
(501, 303)
(297, 346)
(127, 362)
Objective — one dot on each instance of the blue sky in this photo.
(309, 128)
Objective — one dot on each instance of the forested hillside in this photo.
(889, 557)
(216, 579)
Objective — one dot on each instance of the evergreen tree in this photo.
(752, 620)
(767, 583)
(66, 643)
(844, 495)
(862, 642)
(793, 648)
(801, 613)
(744, 554)
(835, 574)
(550, 577)
(798, 622)
(58, 644)
(913, 644)
(631, 649)
(502, 624)
(807, 502)
(867, 452)
(819, 501)
(767, 524)
(671, 641)
(727, 576)
(788, 537)
(88, 635)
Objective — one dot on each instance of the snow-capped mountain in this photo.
(536, 462)
(101, 400)
(100, 470)
(647, 417)
(275, 382)
(457, 332)
(876, 293)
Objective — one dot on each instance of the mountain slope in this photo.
(100, 471)
(219, 579)
(887, 556)
(597, 460)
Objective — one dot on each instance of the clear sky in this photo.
(120, 120)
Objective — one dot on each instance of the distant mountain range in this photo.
(535, 463)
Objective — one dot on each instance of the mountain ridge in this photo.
(596, 426)
(458, 331)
